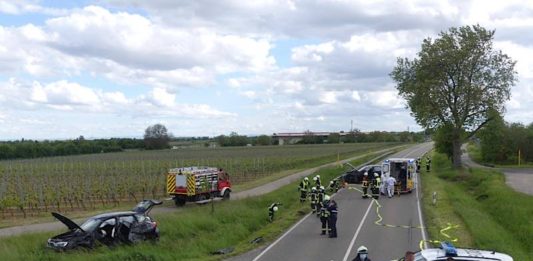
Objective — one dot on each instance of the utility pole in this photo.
(351, 125)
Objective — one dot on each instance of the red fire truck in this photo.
(195, 184)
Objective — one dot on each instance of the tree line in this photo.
(234, 139)
(500, 142)
(23, 149)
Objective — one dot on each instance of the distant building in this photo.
(295, 137)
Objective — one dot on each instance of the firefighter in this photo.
(332, 220)
(303, 187)
(364, 185)
(418, 163)
(273, 209)
(333, 186)
(362, 254)
(320, 199)
(374, 186)
(318, 183)
(324, 216)
(428, 164)
(313, 198)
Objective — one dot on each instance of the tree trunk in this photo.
(456, 152)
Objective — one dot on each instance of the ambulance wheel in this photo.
(226, 195)
(180, 201)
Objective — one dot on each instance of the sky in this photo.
(203, 68)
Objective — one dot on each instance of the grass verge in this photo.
(191, 234)
(490, 215)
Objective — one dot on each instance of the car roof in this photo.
(465, 254)
(114, 214)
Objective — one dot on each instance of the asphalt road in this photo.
(356, 226)
(266, 188)
(520, 179)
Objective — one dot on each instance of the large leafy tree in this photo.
(156, 137)
(455, 80)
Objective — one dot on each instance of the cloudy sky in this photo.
(111, 68)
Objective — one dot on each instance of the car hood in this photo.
(146, 205)
(67, 221)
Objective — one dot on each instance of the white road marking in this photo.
(285, 234)
(280, 238)
(357, 232)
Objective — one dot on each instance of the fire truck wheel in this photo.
(180, 201)
(226, 195)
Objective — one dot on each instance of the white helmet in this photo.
(362, 249)
(366, 174)
(275, 209)
(313, 189)
(326, 197)
(331, 182)
(376, 174)
(314, 178)
(318, 176)
(306, 178)
(321, 187)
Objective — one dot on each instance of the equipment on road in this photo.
(196, 184)
(447, 250)
(272, 209)
(403, 170)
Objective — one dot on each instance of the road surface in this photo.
(520, 179)
(53, 226)
(356, 226)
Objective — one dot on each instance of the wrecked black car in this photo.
(108, 229)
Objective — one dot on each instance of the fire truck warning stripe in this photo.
(191, 185)
(171, 183)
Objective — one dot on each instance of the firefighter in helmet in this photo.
(314, 199)
(273, 209)
(362, 254)
(303, 187)
(374, 186)
(324, 215)
(320, 199)
(428, 164)
(364, 185)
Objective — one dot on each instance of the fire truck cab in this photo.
(403, 170)
(195, 184)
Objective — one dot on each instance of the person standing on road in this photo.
(314, 198)
(428, 164)
(374, 186)
(332, 220)
(418, 163)
(321, 195)
(317, 180)
(364, 185)
(362, 254)
(324, 216)
(303, 187)
(391, 181)
(383, 187)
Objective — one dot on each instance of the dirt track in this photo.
(519, 179)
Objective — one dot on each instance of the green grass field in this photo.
(88, 182)
(191, 234)
(490, 215)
